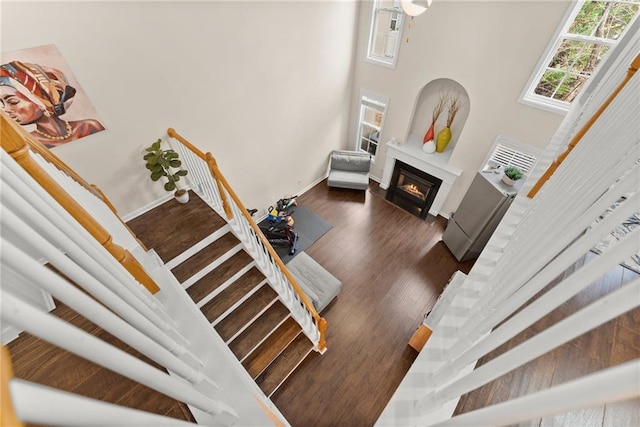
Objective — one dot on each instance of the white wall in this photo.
(490, 48)
(264, 86)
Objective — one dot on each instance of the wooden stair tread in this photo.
(242, 345)
(206, 256)
(280, 369)
(272, 347)
(188, 223)
(218, 276)
(246, 312)
(232, 294)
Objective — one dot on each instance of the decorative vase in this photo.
(429, 135)
(508, 180)
(444, 136)
(182, 196)
(429, 146)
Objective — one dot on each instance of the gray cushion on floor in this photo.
(316, 282)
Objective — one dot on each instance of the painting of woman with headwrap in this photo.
(39, 97)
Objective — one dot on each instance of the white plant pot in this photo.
(183, 198)
(508, 180)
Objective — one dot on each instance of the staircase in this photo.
(222, 279)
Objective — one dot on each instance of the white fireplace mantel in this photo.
(436, 164)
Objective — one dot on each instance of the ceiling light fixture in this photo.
(415, 7)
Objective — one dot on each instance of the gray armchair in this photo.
(349, 169)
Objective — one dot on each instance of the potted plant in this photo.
(511, 175)
(163, 163)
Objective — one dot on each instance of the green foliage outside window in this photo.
(584, 46)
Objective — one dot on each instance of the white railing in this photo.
(536, 242)
(211, 186)
(92, 203)
(37, 404)
(36, 230)
(21, 193)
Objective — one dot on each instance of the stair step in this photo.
(239, 318)
(197, 247)
(218, 276)
(257, 332)
(232, 294)
(272, 347)
(189, 224)
(284, 365)
(205, 257)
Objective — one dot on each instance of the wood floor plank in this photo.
(272, 347)
(232, 294)
(147, 399)
(172, 227)
(249, 339)
(107, 386)
(588, 353)
(181, 412)
(392, 266)
(205, 257)
(280, 369)
(218, 276)
(246, 312)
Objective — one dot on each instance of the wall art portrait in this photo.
(39, 91)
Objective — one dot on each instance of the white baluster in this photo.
(55, 331)
(84, 251)
(595, 314)
(610, 385)
(35, 273)
(17, 179)
(38, 404)
(542, 306)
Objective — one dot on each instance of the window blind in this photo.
(508, 156)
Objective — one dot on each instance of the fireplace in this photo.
(412, 189)
(435, 165)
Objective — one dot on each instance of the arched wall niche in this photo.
(425, 103)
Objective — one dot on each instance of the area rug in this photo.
(309, 227)
(632, 222)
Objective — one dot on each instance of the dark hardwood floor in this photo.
(38, 361)
(393, 266)
(612, 343)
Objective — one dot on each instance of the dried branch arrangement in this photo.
(454, 107)
(439, 107)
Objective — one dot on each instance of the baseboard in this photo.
(128, 217)
(313, 184)
(131, 215)
(262, 214)
(375, 178)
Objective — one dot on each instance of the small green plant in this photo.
(513, 173)
(162, 163)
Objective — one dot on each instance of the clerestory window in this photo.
(385, 32)
(591, 29)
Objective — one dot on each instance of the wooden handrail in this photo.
(38, 147)
(8, 416)
(635, 65)
(213, 167)
(223, 184)
(13, 140)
